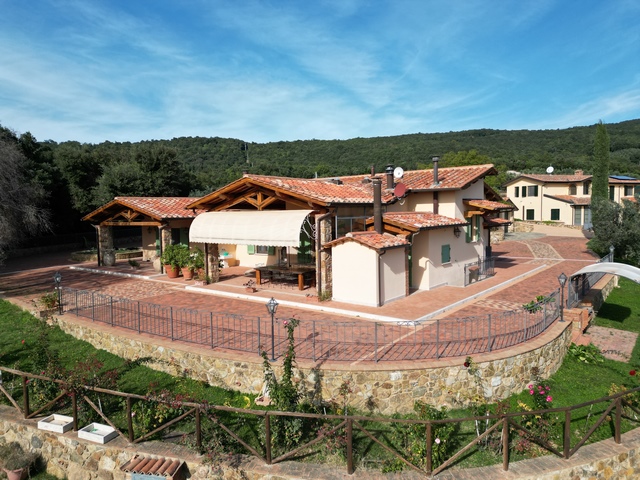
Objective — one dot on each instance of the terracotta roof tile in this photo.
(163, 207)
(554, 178)
(497, 222)
(571, 199)
(420, 220)
(160, 208)
(359, 189)
(488, 204)
(374, 240)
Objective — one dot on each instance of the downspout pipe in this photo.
(377, 205)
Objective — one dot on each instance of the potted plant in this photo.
(174, 257)
(250, 286)
(15, 461)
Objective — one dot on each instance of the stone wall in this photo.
(72, 458)
(384, 387)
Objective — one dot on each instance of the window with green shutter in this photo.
(251, 249)
(446, 253)
(555, 214)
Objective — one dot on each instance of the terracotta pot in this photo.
(19, 474)
(171, 271)
(187, 273)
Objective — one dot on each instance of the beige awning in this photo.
(277, 228)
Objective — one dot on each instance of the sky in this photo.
(279, 70)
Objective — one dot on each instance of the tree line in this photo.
(70, 179)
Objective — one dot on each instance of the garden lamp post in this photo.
(611, 249)
(57, 278)
(562, 280)
(272, 307)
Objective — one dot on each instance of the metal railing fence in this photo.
(317, 339)
(480, 270)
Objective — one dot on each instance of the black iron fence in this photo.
(318, 339)
(580, 285)
(480, 270)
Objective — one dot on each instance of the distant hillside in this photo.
(217, 161)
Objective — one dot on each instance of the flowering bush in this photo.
(541, 395)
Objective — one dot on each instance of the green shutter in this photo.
(446, 253)
(468, 230)
(251, 249)
(271, 250)
(478, 220)
(535, 190)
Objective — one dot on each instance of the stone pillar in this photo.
(325, 258)
(212, 260)
(165, 239)
(106, 252)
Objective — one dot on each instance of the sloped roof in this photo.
(623, 180)
(416, 221)
(354, 189)
(571, 199)
(158, 208)
(496, 222)
(489, 205)
(373, 240)
(552, 178)
(449, 178)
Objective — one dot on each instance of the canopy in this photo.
(277, 228)
(628, 271)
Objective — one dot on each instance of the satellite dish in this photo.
(398, 172)
(400, 190)
(549, 169)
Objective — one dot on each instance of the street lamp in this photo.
(562, 280)
(272, 307)
(57, 278)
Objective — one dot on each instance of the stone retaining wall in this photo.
(72, 458)
(383, 387)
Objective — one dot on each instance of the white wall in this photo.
(393, 276)
(355, 274)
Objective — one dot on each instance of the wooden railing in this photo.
(496, 424)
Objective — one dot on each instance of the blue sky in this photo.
(276, 70)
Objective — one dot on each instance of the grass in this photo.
(575, 382)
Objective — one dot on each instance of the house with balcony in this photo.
(563, 198)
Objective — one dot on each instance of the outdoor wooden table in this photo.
(302, 271)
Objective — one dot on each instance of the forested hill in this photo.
(218, 161)
(80, 177)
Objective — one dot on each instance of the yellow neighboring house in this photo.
(564, 198)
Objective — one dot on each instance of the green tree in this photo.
(600, 181)
(21, 198)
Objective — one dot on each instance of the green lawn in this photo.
(574, 383)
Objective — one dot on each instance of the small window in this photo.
(530, 214)
(532, 191)
(585, 188)
(524, 192)
(260, 250)
(573, 190)
(446, 253)
(628, 191)
(612, 194)
(555, 214)
(517, 191)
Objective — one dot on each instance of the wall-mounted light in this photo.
(457, 231)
